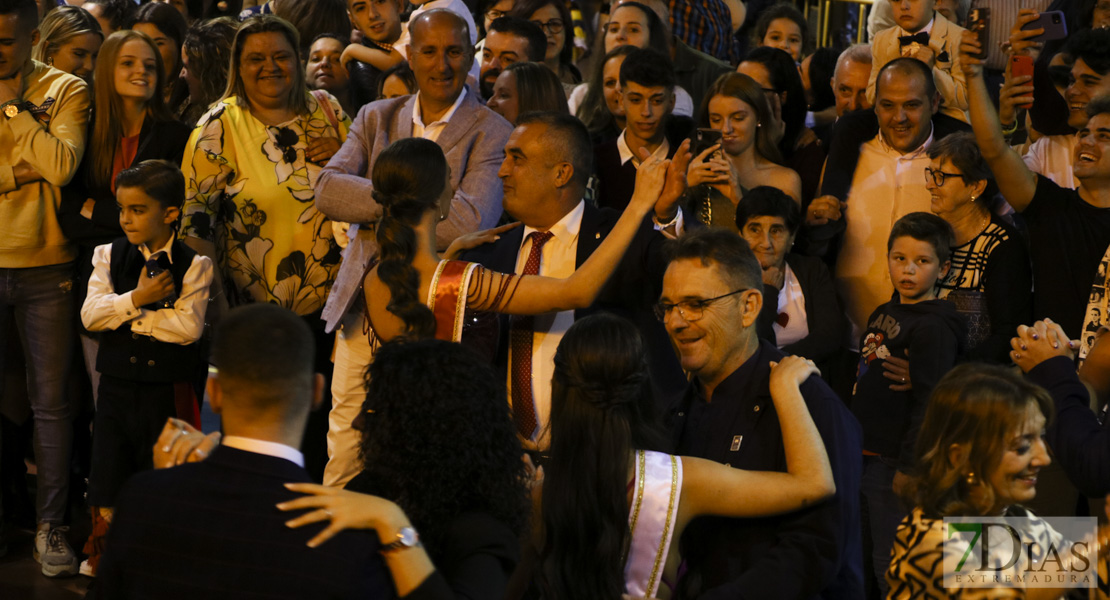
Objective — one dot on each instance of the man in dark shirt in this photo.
(1069, 230)
(712, 295)
(509, 40)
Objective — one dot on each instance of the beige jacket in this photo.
(51, 138)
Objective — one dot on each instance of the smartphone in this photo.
(704, 139)
(1055, 28)
(1022, 66)
(979, 23)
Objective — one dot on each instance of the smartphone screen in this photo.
(704, 139)
(978, 22)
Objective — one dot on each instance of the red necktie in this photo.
(520, 343)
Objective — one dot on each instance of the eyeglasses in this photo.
(938, 177)
(691, 310)
(493, 14)
(553, 26)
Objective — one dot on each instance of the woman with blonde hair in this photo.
(69, 40)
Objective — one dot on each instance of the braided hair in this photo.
(602, 409)
(408, 177)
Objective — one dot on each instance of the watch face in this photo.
(11, 110)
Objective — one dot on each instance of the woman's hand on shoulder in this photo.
(790, 372)
(344, 510)
(1039, 342)
(475, 239)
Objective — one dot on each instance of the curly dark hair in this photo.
(408, 179)
(438, 438)
(602, 410)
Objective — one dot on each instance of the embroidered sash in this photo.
(652, 521)
(447, 297)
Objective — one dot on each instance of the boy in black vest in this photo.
(147, 297)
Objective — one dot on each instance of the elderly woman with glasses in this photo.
(990, 280)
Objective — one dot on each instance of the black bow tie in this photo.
(921, 37)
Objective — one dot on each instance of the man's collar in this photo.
(626, 152)
(566, 230)
(267, 448)
(911, 154)
(417, 111)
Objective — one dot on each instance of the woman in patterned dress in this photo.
(991, 279)
(250, 167)
(979, 452)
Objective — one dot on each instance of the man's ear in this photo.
(936, 102)
(172, 214)
(752, 304)
(564, 173)
(215, 394)
(671, 103)
(944, 270)
(35, 36)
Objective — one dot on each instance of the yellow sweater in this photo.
(50, 138)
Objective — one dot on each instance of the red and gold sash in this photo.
(448, 298)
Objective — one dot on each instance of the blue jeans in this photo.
(39, 302)
(881, 512)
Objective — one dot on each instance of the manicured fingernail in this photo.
(1017, 354)
(1023, 347)
(1034, 336)
(1055, 344)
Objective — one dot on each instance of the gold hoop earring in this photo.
(971, 479)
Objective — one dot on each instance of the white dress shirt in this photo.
(886, 186)
(792, 302)
(432, 130)
(558, 259)
(183, 324)
(274, 449)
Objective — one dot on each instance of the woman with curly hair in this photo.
(441, 458)
(603, 470)
(205, 56)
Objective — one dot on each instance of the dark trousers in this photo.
(129, 417)
(881, 512)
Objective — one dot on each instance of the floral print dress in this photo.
(249, 191)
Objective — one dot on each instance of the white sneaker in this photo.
(53, 551)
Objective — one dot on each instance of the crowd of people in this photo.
(550, 299)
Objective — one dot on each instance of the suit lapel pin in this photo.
(597, 236)
(736, 439)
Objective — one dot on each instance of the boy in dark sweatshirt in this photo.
(927, 331)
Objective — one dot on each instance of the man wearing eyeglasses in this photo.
(876, 164)
(711, 300)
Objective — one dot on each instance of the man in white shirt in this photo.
(212, 527)
(548, 160)
(472, 137)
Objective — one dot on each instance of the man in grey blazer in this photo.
(473, 138)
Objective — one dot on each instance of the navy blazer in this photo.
(212, 530)
(630, 292)
(811, 553)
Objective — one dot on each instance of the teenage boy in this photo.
(147, 297)
(924, 34)
(647, 84)
(916, 325)
(379, 22)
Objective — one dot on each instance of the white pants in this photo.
(348, 391)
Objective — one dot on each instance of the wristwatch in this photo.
(406, 538)
(11, 109)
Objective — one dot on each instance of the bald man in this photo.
(472, 137)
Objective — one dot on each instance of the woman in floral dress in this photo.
(251, 166)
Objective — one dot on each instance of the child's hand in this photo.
(152, 289)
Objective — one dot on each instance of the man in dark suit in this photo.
(472, 137)
(547, 161)
(212, 529)
(710, 303)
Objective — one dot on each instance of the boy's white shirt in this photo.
(183, 324)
